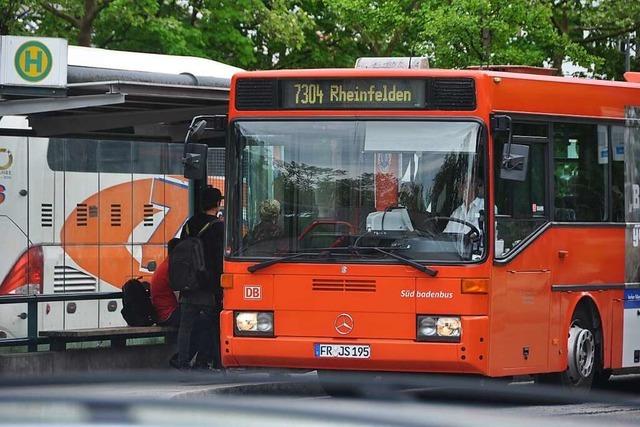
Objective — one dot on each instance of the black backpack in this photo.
(137, 309)
(187, 268)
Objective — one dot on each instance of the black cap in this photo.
(211, 197)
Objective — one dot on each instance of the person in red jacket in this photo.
(163, 297)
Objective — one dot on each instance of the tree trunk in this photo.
(558, 56)
(84, 36)
(86, 23)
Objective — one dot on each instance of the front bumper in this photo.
(470, 355)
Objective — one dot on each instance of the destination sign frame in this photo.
(353, 94)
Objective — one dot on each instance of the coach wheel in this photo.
(581, 354)
(583, 360)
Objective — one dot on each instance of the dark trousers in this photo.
(202, 324)
(172, 320)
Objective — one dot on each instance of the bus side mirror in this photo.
(194, 157)
(515, 159)
(195, 161)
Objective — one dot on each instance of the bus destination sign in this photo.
(353, 94)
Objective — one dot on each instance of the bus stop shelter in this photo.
(115, 92)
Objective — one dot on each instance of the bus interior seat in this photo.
(394, 219)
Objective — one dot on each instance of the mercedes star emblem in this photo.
(343, 324)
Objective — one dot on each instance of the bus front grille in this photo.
(344, 285)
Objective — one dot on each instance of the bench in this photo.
(117, 335)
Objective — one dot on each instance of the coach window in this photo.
(580, 175)
(617, 173)
(115, 157)
(72, 155)
(521, 206)
(148, 157)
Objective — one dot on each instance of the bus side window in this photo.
(617, 173)
(520, 206)
(580, 175)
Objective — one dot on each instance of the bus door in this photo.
(522, 277)
(76, 271)
(13, 228)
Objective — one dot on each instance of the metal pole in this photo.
(192, 197)
(32, 324)
(627, 54)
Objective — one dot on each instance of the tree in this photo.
(265, 34)
(460, 33)
(78, 17)
(596, 28)
(12, 19)
(340, 31)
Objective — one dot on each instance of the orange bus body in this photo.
(520, 326)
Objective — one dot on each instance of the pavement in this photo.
(305, 386)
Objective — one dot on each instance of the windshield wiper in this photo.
(350, 250)
(324, 251)
(403, 259)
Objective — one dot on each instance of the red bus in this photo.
(424, 220)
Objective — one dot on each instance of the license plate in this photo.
(347, 351)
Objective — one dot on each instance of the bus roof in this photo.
(432, 72)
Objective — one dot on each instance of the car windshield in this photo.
(416, 186)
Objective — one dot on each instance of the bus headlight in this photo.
(439, 328)
(427, 326)
(253, 323)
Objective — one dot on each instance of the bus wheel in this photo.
(583, 354)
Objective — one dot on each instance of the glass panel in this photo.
(581, 159)
(617, 173)
(538, 130)
(148, 157)
(310, 185)
(174, 160)
(215, 171)
(80, 155)
(115, 157)
(520, 206)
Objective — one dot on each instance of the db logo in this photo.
(253, 292)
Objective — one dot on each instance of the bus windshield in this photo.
(414, 187)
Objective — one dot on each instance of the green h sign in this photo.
(33, 61)
(29, 61)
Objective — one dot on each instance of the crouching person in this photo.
(163, 297)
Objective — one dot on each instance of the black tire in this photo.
(584, 353)
(601, 379)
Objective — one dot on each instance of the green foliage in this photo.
(264, 34)
(14, 18)
(460, 33)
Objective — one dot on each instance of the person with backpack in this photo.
(195, 266)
